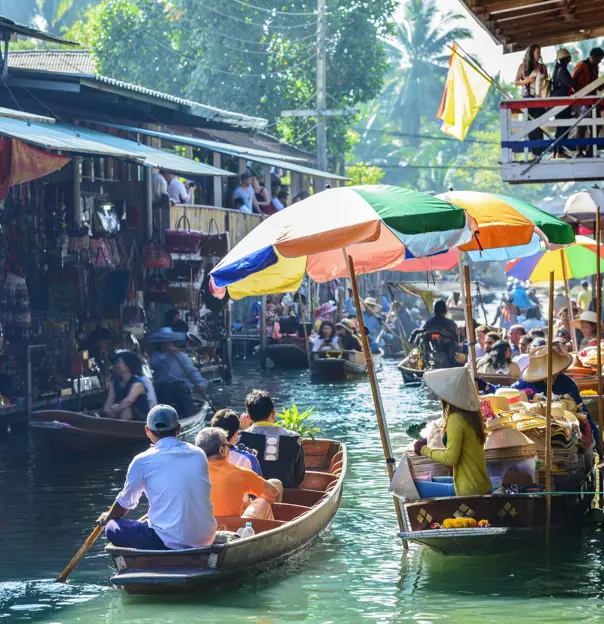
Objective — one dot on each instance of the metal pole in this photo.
(599, 345)
(149, 204)
(571, 314)
(470, 336)
(303, 319)
(228, 321)
(321, 94)
(375, 392)
(548, 413)
(263, 333)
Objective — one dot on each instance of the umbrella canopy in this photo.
(392, 223)
(580, 208)
(579, 261)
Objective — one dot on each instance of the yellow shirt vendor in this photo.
(464, 430)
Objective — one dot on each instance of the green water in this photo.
(357, 572)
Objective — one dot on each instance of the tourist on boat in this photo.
(523, 358)
(588, 324)
(372, 320)
(240, 455)
(498, 361)
(481, 335)
(128, 397)
(464, 434)
(231, 484)
(174, 477)
(327, 339)
(176, 377)
(348, 336)
(515, 333)
(280, 451)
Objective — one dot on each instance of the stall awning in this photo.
(259, 156)
(15, 114)
(79, 140)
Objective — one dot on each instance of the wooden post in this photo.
(217, 180)
(599, 347)
(467, 295)
(571, 314)
(303, 318)
(375, 392)
(263, 333)
(548, 413)
(470, 335)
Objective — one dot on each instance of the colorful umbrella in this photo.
(580, 208)
(578, 260)
(392, 223)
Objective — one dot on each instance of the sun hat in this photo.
(499, 403)
(587, 316)
(455, 386)
(347, 324)
(514, 397)
(537, 368)
(162, 418)
(506, 437)
(372, 304)
(165, 334)
(324, 309)
(562, 53)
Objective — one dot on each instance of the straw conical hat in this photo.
(587, 316)
(506, 437)
(454, 386)
(537, 368)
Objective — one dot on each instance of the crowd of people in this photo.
(237, 468)
(252, 197)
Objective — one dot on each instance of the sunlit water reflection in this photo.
(357, 572)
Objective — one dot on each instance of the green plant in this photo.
(291, 418)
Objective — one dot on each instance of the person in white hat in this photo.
(464, 434)
(372, 321)
(588, 324)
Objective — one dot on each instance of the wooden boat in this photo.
(341, 365)
(516, 519)
(288, 353)
(304, 514)
(86, 432)
(498, 380)
(411, 376)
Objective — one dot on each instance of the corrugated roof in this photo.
(15, 114)
(9, 26)
(60, 61)
(266, 158)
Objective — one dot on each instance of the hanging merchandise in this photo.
(183, 240)
(99, 254)
(79, 240)
(118, 280)
(156, 290)
(155, 256)
(105, 221)
(16, 310)
(185, 270)
(214, 244)
(66, 290)
(181, 296)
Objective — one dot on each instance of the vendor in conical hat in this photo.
(534, 379)
(464, 434)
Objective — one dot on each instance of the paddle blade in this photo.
(62, 578)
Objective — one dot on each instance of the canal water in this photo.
(357, 572)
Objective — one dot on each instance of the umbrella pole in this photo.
(571, 314)
(470, 334)
(599, 348)
(303, 318)
(375, 391)
(467, 295)
(548, 414)
(263, 333)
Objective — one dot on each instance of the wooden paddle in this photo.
(62, 578)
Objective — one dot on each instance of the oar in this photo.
(62, 578)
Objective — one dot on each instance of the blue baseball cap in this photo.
(162, 418)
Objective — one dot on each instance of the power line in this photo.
(450, 167)
(423, 136)
(273, 11)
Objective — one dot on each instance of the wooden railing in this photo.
(238, 224)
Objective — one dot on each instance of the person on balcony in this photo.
(585, 72)
(245, 192)
(531, 76)
(261, 194)
(562, 87)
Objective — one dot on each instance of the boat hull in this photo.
(350, 365)
(287, 355)
(411, 376)
(192, 570)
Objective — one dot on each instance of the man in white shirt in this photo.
(245, 192)
(176, 189)
(175, 479)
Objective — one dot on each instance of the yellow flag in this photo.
(465, 90)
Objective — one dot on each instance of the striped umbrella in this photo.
(375, 225)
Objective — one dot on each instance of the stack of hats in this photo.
(505, 442)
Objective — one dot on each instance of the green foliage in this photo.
(300, 422)
(363, 173)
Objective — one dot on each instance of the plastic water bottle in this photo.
(248, 531)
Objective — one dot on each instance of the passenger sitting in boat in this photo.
(439, 321)
(498, 361)
(174, 321)
(348, 336)
(280, 451)
(174, 477)
(231, 483)
(175, 375)
(327, 339)
(240, 455)
(128, 398)
(464, 434)
(372, 321)
(588, 324)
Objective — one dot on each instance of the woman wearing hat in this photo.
(464, 434)
(372, 321)
(348, 336)
(588, 324)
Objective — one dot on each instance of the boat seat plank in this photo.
(315, 480)
(288, 511)
(308, 498)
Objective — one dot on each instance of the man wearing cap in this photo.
(585, 73)
(562, 83)
(174, 477)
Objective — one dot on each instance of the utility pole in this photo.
(321, 87)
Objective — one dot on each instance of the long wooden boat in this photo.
(299, 520)
(341, 365)
(411, 376)
(86, 432)
(498, 380)
(289, 353)
(515, 519)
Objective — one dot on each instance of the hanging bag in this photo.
(155, 256)
(185, 270)
(183, 240)
(214, 244)
(105, 222)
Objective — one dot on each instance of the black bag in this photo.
(214, 245)
(185, 270)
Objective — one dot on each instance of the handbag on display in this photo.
(155, 256)
(156, 289)
(183, 240)
(99, 254)
(214, 244)
(180, 296)
(185, 270)
(105, 221)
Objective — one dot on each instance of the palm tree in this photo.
(419, 60)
